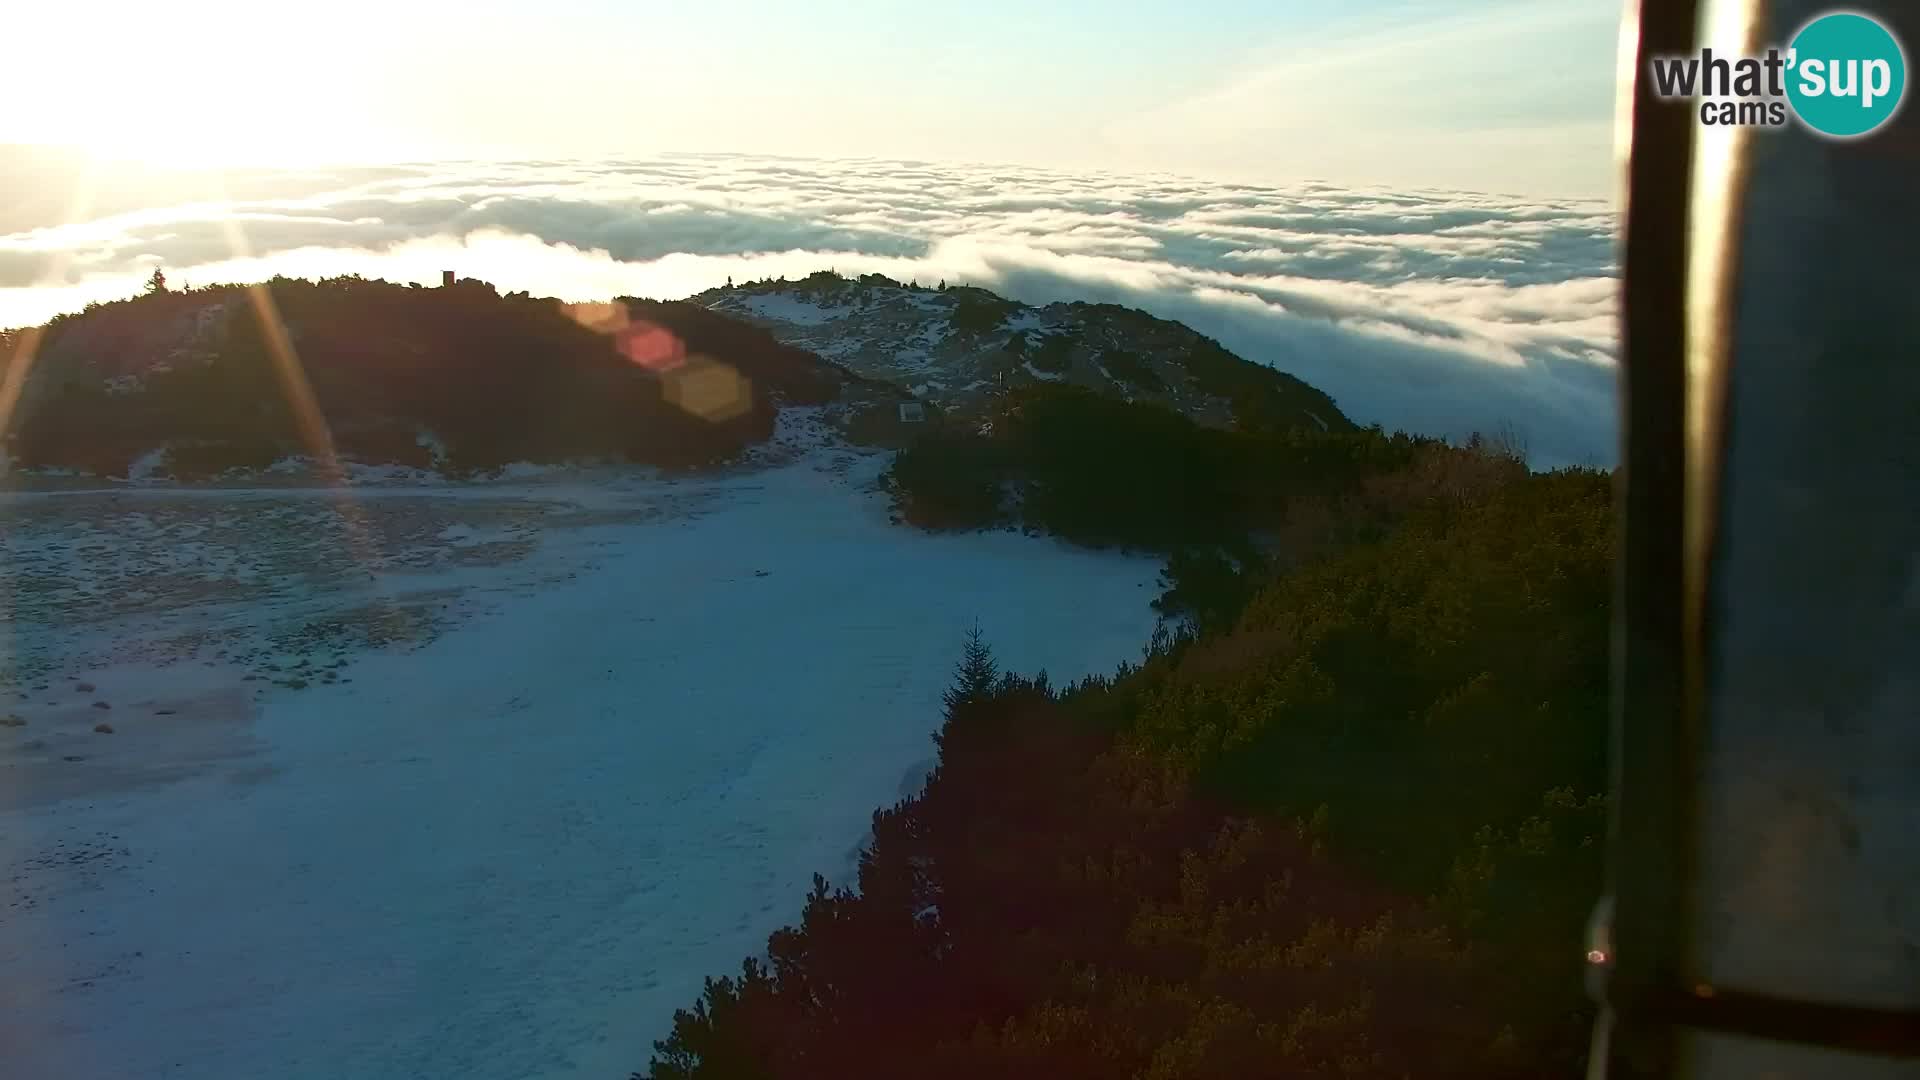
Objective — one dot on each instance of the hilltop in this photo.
(194, 383)
(958, 347)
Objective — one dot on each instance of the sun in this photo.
(196, 85)
(253, 130)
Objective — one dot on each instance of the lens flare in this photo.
(709, 389)
(600, 318)
(653, 347)
(644, 344)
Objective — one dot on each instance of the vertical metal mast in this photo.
(1763, 916)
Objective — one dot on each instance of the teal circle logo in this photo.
(1846, 75)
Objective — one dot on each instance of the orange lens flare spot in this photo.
(602, 318)
(709, 389)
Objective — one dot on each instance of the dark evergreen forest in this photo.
(1344, 819)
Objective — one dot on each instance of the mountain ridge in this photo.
(462, 379)
(958, 346)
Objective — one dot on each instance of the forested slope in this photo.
(1346, 823)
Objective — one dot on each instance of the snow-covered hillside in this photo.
(957, 346)
(464, 781)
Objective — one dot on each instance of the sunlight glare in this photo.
(222, 85)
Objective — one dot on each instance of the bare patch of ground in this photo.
(58, 751)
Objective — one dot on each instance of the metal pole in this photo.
(1636, 943)
(1765, 858)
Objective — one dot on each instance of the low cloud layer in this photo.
(1432, 311)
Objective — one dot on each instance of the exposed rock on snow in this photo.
(959, 346)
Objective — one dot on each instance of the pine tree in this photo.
(158, 282)
(974, 677)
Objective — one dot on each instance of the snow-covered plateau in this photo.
(464, 780)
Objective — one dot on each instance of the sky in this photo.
(1407, 204)
(1485, 96)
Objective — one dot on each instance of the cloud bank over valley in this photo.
(1434, 311)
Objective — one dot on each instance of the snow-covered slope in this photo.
(471, 781)
(958, 346)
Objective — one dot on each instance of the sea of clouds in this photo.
(1431, 311)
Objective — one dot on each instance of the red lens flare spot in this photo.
(655, 348)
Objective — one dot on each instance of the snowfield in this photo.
(473, 781)
(794, 310)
